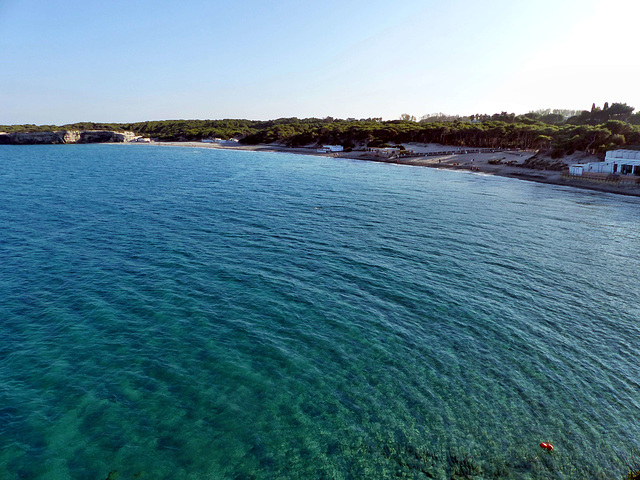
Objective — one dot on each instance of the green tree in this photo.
(405, 117)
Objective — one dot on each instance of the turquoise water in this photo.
(175, 313)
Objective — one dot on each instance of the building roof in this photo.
(623, 154)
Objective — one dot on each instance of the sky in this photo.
(126, 61)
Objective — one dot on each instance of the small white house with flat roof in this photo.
(624, 162)
(621, 162)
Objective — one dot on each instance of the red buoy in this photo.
(544, 445)
(549, 447)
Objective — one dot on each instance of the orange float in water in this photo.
(544, 445)
(549, 447)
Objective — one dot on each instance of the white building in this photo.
(330, 148)
(621, 162)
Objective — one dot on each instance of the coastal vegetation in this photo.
(556, 132)
(633, 465)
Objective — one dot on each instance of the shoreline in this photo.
(470, 162)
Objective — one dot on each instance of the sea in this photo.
(188, 313)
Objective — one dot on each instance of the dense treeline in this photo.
(557, 139)
(116, 127)
(558, 132)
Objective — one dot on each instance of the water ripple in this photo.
(170, 313)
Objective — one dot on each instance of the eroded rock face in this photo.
(27, 138)
(100, 137)
(72, 136)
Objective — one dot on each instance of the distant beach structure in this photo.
(330, 148)
(220, 141)
(383, 151)
(621, 162)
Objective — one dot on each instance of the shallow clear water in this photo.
(188, 314)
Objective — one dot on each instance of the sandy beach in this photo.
(504, 163)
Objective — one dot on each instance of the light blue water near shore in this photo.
(175, 313)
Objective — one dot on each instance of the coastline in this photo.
(470, 162)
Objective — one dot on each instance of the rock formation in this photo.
(72, 136)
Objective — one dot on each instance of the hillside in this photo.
(555, 134)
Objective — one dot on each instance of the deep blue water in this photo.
(175, 313)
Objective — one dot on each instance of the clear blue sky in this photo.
(66, 61)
